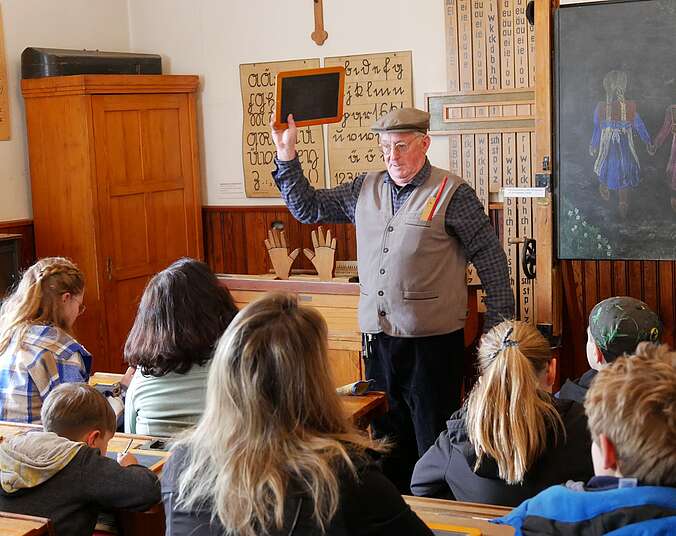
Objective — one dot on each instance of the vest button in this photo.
(381, 293)
(382, 270)
(386, 250)
(382, 313)
(390, 228)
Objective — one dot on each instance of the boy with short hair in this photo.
(62, 473)
(631, 408)
(616, 326)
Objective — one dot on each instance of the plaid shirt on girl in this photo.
(31, 367)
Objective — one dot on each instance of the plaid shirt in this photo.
(32, 366)
(465, 220)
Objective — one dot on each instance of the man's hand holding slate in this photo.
(285, 139)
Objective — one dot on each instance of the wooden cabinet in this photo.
(116, 187)
(336, 301)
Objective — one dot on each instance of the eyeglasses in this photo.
(81, 306)
(399, 148)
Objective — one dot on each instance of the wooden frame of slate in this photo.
(313, 96)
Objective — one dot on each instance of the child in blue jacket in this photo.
(631, 409)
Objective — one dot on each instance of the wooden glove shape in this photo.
(279, 253)
(323, 256)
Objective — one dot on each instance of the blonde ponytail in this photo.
(36, 298)
(509, 417)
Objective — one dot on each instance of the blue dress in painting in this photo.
(617, 165)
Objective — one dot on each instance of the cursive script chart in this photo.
(257, 81)
(374, 85)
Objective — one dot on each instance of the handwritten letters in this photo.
(375, 84)
(257, 81)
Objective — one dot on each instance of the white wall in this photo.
(212, 37)
(101, 24)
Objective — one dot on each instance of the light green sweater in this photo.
(166, 405)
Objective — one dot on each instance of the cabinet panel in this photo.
(162, 144)
(170, 237)
(123, 137)
(129, 232)
(127, 293)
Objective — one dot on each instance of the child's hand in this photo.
(126, 459)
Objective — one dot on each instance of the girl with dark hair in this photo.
(182, 314)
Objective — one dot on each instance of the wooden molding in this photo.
(96, 84)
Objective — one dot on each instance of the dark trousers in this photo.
(422, 377)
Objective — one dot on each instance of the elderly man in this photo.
(417, 227)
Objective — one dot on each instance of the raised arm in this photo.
(307, 204)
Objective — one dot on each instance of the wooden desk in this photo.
(337, 301)
(361, 409)
(436, 513)
(21, 525)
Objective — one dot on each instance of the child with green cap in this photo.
(616, 326)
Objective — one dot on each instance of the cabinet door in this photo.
(148, 198)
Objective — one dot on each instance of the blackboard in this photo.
(313, 96)
(615, 87)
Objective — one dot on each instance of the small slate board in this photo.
(313, 96)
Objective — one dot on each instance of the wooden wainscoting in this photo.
(234, 238)
(25, 229)
(585, 283)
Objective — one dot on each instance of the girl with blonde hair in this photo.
(37, 347)
(512, 438)
(273, 452)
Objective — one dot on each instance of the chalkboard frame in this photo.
(282, 76)
(588, 227)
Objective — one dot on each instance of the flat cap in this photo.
(403, 120)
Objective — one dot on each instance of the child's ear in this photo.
(608, 452)
(65, 297)
(92, 437)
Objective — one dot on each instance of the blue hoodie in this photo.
(599, 508)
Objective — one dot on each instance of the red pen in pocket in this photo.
(436, 199)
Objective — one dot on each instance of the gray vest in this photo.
(411, 273)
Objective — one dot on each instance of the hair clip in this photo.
(506, 341)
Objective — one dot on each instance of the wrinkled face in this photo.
(404, 154)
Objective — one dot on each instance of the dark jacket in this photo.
(446, 470)
(577, 389)
(371, 505)
(600, 507)
(70, 483)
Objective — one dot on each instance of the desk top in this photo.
(309, 284)
(21, 525)
(438, 514)
(361, 409)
